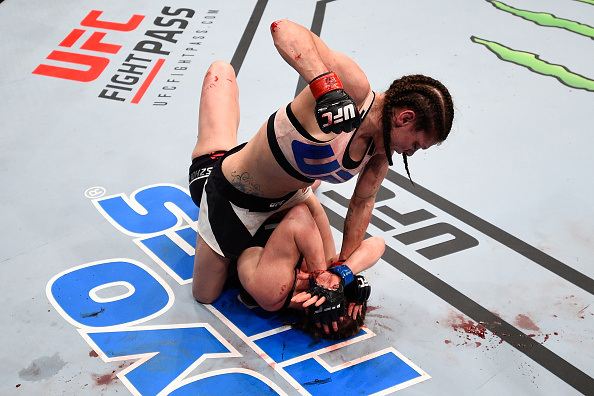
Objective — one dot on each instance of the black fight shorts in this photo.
(229, 218)
(199, 172)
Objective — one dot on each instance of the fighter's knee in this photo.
(301, 218)
(300, 210)
(202, 297)
(300, 213)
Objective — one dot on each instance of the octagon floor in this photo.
(486, 285)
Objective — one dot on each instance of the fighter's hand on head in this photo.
(326, 280)
(324, 285)
(335, 110)
(357, 293)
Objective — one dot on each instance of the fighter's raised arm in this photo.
(310, 57)
(297, 46)
(337, 83)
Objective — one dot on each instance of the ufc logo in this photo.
(342, 114)
(362, 282)
(276, 204)
(93, 65)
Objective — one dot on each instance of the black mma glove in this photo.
(333, 307)
(330, 310)
(358, 291)
(335, 111)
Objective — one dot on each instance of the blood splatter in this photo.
(106, 379)
(93, 354)
(384, 326)
(244, 365)
(525, 322)
(274, 26)
(297, 57)
(379, 316)
(470, 327)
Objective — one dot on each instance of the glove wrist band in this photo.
(343, 271)
(324, 83)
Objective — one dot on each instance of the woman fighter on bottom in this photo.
(274, 272)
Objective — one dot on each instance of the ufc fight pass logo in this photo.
(86, 52)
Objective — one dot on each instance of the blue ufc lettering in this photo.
(165, 249)
(367, 377)
(377, 372)
(109, 293)
(234, 382)
(150, 210)
(172, 351)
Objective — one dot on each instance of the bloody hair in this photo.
(349, 327)
(428, 98)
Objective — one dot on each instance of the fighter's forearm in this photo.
(366, 255)
(298, 48)
(361, 205)
(355, 225)
(321, 219)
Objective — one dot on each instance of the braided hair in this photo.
(431, 102)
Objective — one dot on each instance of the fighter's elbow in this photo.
(271, 306)
(373, 249)
(378, 245)
(277, 26)
(267, 298)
